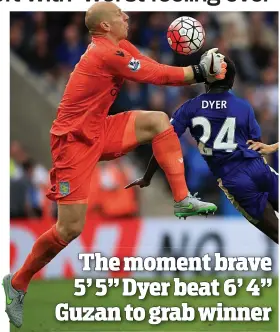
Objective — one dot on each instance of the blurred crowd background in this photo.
(52, 43)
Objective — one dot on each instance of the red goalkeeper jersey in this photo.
(96, 81)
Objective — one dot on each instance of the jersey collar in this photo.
(103, 40)
(215, 90)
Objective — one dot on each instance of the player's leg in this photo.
(71, 219)
(247, 190)
(269, 224)
(73, 165)
(273, 193)
(155, 127)
(70, 223)
(127, 130)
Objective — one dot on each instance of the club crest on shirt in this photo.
(134, 65)
(64, 188)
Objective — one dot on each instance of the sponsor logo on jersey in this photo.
(117, 86)
(134, 65)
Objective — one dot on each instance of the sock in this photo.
(47, 246)
(168, 153)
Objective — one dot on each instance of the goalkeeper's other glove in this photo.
(211, 67)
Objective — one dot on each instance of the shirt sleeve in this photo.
(138, 69)
(254, 127)
(181, 119)
(130, 48)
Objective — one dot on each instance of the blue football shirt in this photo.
(221, 123)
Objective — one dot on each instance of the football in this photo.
(185, 35)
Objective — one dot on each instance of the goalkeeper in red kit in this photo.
(84, 134)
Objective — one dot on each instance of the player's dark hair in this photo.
(228, 81)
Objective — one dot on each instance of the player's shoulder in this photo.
(240, 100)
(124, 44)
(188, 107)
(196, 101)
(242, 103)
(198, 98)
(102, 50)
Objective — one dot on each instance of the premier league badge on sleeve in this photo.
(134, 64)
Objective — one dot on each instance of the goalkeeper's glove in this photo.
(211, 67)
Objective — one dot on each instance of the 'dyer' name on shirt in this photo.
(214, 104)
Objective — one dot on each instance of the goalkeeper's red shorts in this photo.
(74, 160)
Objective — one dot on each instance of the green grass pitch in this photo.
(43, 296)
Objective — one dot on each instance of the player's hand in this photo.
(142, 183)
(212, 50)
(261, 147)
(213, 65)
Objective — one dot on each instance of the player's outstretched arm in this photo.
(125, 65)
(263, 148)
(130, 48)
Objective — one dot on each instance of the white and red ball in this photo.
(186, 35)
